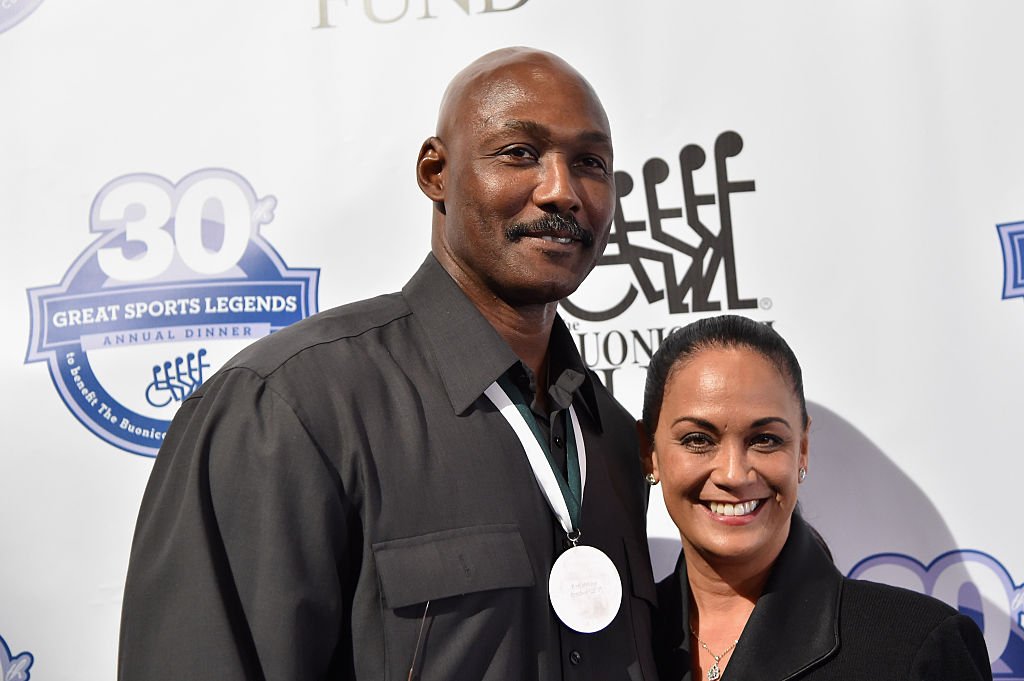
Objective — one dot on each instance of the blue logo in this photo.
(974, 583)
(1011, 236)
(14, 667)
(179, 280)
(12, 13)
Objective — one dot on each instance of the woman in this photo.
(755, 595)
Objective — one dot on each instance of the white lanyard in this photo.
(539, 459)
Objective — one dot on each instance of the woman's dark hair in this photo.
(725, 331)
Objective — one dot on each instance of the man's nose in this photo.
(556, 190)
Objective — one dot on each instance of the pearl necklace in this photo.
(715, 672)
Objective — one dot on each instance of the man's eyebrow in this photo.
(531, 128)
(541, 132)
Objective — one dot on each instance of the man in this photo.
(350, 498)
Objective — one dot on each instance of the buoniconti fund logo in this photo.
(671, 253)
(13, 12)
(178, 280)
(392, 11)
(974, 583)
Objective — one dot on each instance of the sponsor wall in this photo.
(179, 179)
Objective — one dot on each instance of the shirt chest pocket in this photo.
(438, 565)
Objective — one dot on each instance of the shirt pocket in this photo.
(448, 563)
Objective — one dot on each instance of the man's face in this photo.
(529, 193)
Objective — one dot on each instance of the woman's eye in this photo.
(766, 441)
(697, 442)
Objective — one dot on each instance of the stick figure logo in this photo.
(712, 255)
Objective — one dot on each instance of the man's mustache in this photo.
(553, 225)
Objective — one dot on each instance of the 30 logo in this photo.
(390, 11)
(13, 12)
(1011, 237)
(179, 280)
(14, 667)
(973, 582)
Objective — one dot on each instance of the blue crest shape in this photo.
(179, 278)
(973, 582)
(1011, 236)
(14, 667)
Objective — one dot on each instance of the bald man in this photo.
(429, 484)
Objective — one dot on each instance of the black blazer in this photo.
(811, 623)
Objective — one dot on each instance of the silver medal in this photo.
(585, 589)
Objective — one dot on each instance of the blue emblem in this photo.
(12, 13)
(974, 583)
(14, 667)
(1011, 236)
(179, 280)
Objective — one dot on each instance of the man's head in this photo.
(520, 173)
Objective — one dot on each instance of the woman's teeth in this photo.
(733, 509)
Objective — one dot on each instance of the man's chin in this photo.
(540, 292)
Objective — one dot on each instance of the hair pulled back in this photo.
(724, 331)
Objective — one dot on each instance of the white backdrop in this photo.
(883, 140)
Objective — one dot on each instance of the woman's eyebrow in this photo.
(701, 423)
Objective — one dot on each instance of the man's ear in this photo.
(432, 170)
(648, 462)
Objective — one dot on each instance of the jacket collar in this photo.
(794, 625)
(469, 353)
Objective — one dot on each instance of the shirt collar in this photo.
(469, 353)
(794, 625)
(797, 616)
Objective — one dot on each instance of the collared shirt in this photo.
(342, 501)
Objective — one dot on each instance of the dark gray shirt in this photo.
(331, 480)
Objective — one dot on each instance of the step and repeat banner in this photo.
(179, 179)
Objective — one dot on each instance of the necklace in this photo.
(715, 672)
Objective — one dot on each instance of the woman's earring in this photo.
(650, 479)
(801, 474)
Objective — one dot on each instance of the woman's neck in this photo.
(722, 596)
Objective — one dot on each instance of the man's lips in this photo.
(553, 228)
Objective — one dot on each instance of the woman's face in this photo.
(727, 448)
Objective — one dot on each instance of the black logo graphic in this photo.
(714, 253)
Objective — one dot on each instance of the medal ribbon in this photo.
(564, 497)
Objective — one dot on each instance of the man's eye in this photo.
(594, 162)
(519, 153)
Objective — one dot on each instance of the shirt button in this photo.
(575, 657)
(559, 442)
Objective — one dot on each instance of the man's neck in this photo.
(525, 327)
(527, 330)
